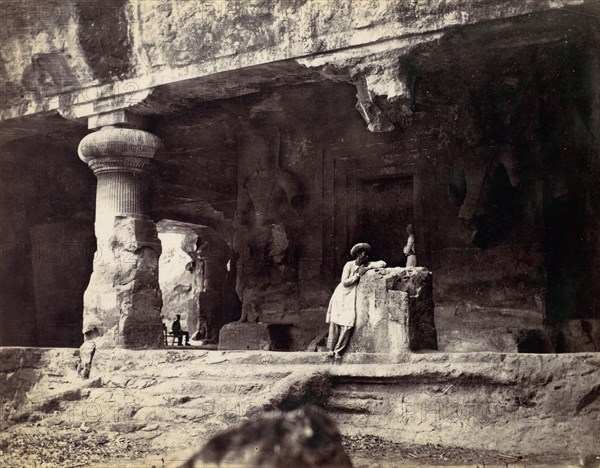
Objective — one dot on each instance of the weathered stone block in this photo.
(238, 335)
(394, 312)
(466, 326)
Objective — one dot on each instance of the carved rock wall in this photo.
(61, 259)
(328, 158)
(314, 143)
(46, 250)
(494, 258)
(152, 43)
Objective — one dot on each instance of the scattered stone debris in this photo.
(70, 447)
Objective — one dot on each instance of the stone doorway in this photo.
(384, 208)
(194, 279)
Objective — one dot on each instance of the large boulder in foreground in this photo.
(305, 437)
(394, 312)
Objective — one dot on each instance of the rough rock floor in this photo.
(155, 408)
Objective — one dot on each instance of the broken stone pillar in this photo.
(394, 312)
(122, 302)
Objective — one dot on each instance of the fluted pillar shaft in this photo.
(120, 158)
(123, 301)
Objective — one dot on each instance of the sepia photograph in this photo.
(300, 233)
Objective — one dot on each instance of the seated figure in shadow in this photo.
(179, 333)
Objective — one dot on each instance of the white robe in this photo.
(342, 305)
(409, 251)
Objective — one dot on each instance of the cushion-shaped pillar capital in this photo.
(116, 143)
(120, 158)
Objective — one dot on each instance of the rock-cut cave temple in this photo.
(219, 159)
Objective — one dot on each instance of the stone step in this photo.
(355, 395)
(151, 414)
(200, 372)
(349, 406)
(122, 401)
(128, 415)
(179, 386)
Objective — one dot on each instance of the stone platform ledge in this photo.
(16, 357)
(45, 366)
(513, 403)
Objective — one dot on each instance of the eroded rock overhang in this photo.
(162, 55)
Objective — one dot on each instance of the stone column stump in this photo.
(394, 312)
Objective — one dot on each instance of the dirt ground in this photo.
(26, 446)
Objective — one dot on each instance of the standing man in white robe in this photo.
(409, 248)
(341, 314)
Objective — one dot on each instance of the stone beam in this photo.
(119, 117)
(95, 104)
(156, 43)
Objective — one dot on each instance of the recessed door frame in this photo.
(347, 173)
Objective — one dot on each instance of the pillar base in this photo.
(123, 300)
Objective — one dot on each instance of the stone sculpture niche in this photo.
(193, 278)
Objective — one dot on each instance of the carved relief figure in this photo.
(267, 219)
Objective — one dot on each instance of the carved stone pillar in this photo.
(122, 302)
